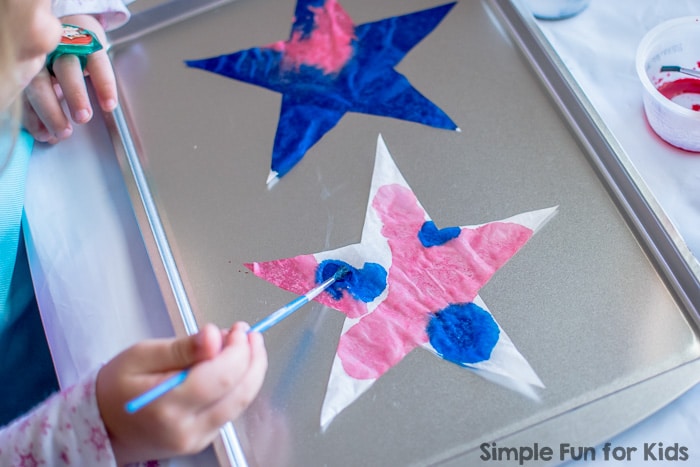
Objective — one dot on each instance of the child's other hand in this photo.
(226, 372)
(43, 115)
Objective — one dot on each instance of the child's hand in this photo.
(226, 372)
(43, 115)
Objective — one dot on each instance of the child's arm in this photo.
(44, 117)
(43, 114)
(88, 425)
(64, 430)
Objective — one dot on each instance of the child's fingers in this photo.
(168, 355)
(98, 65)
(33, 124)
(102, 76)
(70, 77)
(41, 97)
(232, 404)
(211, 380)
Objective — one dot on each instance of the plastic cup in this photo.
(673, 43)
(556, 9)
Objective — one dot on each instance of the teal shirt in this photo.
(12, 182)
(25, 362)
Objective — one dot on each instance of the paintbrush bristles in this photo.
(341, 272)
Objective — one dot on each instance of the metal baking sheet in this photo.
(586, 301)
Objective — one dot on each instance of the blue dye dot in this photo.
(363, 284)
(429, 235)
(463, 333)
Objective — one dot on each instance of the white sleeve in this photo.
(64, 430)
(111, 13)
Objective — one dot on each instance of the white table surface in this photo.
(97, 291)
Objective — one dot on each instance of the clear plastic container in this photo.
(674, 116)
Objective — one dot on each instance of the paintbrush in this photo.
(261, 326)
(687, 71)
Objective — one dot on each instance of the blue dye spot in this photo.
(463, 333)
(429, 235)
(363, 284)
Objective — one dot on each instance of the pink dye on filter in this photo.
(421, 281)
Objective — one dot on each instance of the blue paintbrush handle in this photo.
(261, 326)
(152, 394)
(274, 318)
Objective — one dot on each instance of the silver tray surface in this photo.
(585, 301)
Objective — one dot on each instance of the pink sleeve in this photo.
(64, 430)
(111, 13)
